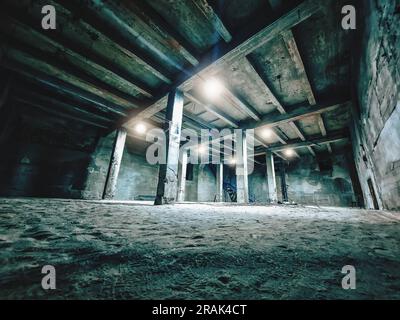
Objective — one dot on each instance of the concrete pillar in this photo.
(220, 182)
(271, 182)
(115, 164)
(168, 175)
(283, 183)
(182, 177)
(242, 183)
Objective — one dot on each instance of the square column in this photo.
(285, 197)
(242, 183)
(168, 175)
(220, 181)
(271, 182)
(182, 177)
(115, 164)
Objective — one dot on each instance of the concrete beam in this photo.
(213, 64)
(40, 59)
(115, 164)
(209, 13)
(195, 118)
(131, 21)
(323, 131)
(301, 112)
(262, 84)
(279, 135)
(169, 36)
(210, 108)
(275, 153)
(242, 105)
(168, 173)
(294, 53)
(257, 139)
(24, 94)
(67, 13)
(311, 142)
(58, 84)
(189, 120)
(47, 109)
(279, 107)
(73, 53)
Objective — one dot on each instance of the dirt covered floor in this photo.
(120, 250)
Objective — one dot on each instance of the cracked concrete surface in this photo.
(133, 250)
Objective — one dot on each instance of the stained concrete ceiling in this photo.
(113, 62)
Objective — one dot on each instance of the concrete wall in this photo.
(206, 183)
(308, 185)
(98, 168)
(41, 171)
(191, 186)
(376, 117)
(44, 156)
(230, 178)
(202, 188)
(137, 179)
(258, 189)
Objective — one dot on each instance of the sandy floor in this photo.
(195, 251)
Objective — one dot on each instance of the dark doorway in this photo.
(189, 172)
(284, 186)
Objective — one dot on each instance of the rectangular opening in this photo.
(189, 172)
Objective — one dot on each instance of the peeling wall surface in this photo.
(376, 131)
(307, 184)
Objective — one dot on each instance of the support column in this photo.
(242, 184)
(283, 184)
(182, 177)
(168, 175)
(220, 182)
(115, 164)
(271, 182)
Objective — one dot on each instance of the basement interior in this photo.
(200, 149)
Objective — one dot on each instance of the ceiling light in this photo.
(201, 149)
(267, 133)
(289, 152)
(212, 88)
(140, 128)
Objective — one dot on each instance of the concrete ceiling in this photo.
(114, 62)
